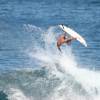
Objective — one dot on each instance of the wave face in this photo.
(57, 76)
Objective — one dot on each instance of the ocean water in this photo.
(31, 67)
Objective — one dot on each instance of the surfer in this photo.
(73, 36)
(64, 39)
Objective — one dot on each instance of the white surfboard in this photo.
(73, 34)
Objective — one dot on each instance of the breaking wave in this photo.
(57, 77)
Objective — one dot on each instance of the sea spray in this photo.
(58, 76)
(66, 61)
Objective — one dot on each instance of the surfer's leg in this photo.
(59, 49)
(58, 46)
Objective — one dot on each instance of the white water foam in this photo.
(50, 56)
(17, 94)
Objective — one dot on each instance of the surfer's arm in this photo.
(70, 39)
(73, 38)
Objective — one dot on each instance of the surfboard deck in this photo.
(74, 34)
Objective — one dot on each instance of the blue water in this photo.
(22, 24)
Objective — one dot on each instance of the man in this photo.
(63, 39)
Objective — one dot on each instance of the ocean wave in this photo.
(58, 77)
